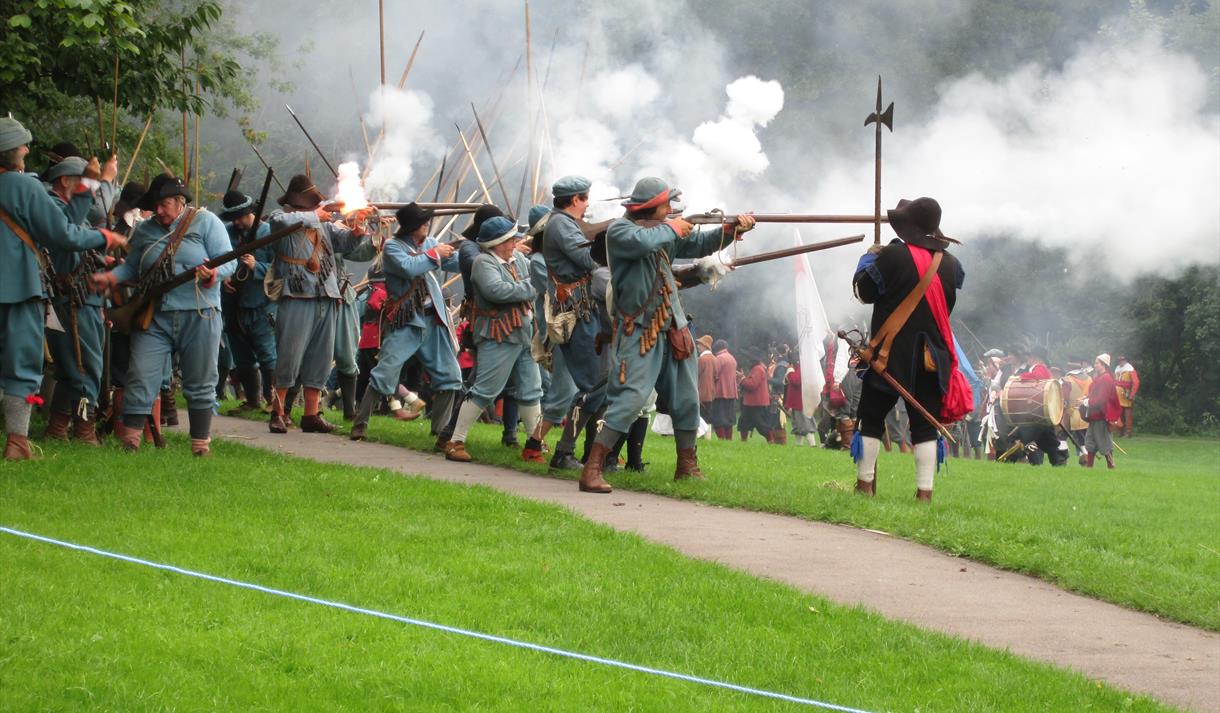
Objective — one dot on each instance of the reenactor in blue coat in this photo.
(415, 322)
(347, 324)
(250, 316)
(304, 278)
(570, 266)
(503, 330)
(77, 350)
(29, 221)
(652, 346)
(187, 321)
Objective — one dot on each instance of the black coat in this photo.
(884, 285)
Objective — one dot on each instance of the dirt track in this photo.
(899, 579)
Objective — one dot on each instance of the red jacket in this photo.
(1103, 399)
(754, 387)
(1039, 372)
(370, 329)
(792, 389)
(726, 376)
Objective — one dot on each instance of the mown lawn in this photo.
(1146, 536)
(81, 632)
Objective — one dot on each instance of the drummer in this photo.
(1040, 438)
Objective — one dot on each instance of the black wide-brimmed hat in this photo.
(411, 216)
(918, 222)
(236, 205)
(481, 215)
(129, 197)
(57, 153)
(302, 194)
(162, 187)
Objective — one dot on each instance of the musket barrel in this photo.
(798, 250)
(717, 218)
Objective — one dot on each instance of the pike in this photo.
(879, 118)
(861, 350)
(311, 141)
(487, 145)
(137, 312)
(267, 166)
(475, 164)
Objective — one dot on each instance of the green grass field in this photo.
(81, 632)
(1146, 536)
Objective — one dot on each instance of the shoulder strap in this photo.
(25, 237)
(879, 345)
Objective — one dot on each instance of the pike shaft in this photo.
(799, 250)
(311, 141)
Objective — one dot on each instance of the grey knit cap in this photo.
(13, 134)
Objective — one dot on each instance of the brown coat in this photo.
(707, 377)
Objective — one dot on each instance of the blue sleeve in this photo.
(494, 287)
(701, 243)
(216, 243)
(129, 269)
(395, 260)
(47, 223)
(633, 242)
(571, 241)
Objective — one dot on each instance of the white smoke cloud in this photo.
(1114, 156)
(409, 136)
(619, 93)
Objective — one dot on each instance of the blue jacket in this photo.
(79, 211)
(299, 282)
(636, 254)
(497, 290)
(205, 239)
(27, 203)
(403, 263)
(250, 293)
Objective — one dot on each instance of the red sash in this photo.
(958, 400)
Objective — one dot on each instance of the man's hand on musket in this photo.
(323, 214)
(745, 223)
(680, 226)
(440, 251)
(205, 276)
(248, 260)
(103, 282)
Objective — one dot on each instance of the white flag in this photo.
(811, 329)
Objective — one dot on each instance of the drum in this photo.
(1032, 403)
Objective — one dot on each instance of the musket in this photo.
(716, 217)
(858, 348)
(136, 313)
(315, 143)
(266, 165)
(467, 207)
(258, 217)
(234, 179)
(688, 275)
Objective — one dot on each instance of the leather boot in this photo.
(688, 465)
(903, 447)
(130, 439)
(316, 424)
(779, 436)
(456, 451)
(868, 488)
(290, 400)
(1088, 460)
(57, 427)
(923, 496)
(18, 448)
(169, 408)
(347, 388)
(1110, 461)
(248, 376)
(367, 403)
(591, 476)
(152, 429)
(85, 431)
(200, 447)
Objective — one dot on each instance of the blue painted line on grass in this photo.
(437, 627)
